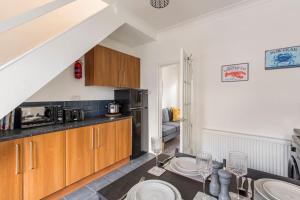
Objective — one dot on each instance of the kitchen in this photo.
(85, 113)
(63, 144)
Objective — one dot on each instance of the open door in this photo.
(185, 102)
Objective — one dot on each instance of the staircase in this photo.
(37, 46)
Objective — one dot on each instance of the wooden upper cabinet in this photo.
(80, 146)
(11, 173)
(134, 73)
(105, 145)
(44, 169)
(107, 67)
(130, 72)
(102, 67)
(123, 139)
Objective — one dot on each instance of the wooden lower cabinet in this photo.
(123, 139)
(80, 144)
(11, 174)
(105, 143)
(36, 167)
(44, 167)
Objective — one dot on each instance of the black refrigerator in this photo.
(134, 102)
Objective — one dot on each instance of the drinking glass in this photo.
(237, 164)
(204, 163)
(156, 147)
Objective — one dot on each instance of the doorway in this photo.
(175, 105)
(170, 107)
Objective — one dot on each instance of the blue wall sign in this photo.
(288, 57)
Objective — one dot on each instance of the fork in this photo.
(125, 195)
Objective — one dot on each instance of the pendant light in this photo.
(159, 3)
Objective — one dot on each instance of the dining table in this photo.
(187, 187)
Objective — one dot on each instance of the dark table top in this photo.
(186, 186)
(22, 133)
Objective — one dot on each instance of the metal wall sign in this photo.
(235, 72)
(288, 57)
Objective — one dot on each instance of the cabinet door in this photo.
(44, 165)
(105, 142)
(102, 67)
(123, 139)
(130, 72)
(123, 70)
(79, 154)
(133, 73)
(11, 173)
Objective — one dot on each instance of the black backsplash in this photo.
(91, 108)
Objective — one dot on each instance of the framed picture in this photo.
(288, 57)
(235, 72)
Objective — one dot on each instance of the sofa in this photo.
(170, 128)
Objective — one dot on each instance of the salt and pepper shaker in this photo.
(224, 177)
(224, 164)
(214, 186)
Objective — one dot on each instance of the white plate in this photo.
(186, 164)
(153, 190)
(259, 193)
(181, 172)
(281, 190)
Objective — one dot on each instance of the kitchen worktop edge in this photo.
(23, 133)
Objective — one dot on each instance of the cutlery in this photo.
(249, 192)
(125, 195)
(167, 161)
(242, 184)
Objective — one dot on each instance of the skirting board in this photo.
(265, 154)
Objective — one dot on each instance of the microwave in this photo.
(29, 117)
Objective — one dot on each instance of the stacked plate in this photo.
(270, 189)
(153, 190)
(185, 166)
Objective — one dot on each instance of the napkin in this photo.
(202, 196)
(156, 171)
(197, 178)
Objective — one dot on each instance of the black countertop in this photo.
(22, 133)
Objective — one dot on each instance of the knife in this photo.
(249, 192)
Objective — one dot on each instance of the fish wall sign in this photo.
(235, 72)
(288, 57)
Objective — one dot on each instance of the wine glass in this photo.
(237, 164)
(204, 163)
(156, 147)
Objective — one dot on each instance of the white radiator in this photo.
(264, 153)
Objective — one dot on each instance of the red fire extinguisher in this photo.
(78, 69)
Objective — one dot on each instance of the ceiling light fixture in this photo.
(159, 3)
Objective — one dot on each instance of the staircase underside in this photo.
(33, 54)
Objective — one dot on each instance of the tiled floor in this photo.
(89, 192)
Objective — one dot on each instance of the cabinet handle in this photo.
(99, 139)
(124, 76)
(31, 155)
(93, 138)
(17, 159)
(96, 138)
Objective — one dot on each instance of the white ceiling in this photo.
(176, 12)
(130, 36)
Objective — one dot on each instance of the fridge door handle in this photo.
(136, 108)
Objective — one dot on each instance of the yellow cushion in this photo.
(176, 114)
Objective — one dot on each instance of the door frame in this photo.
(159, 98)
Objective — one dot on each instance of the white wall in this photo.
(268, 104)
(170, 83)
(65, 87)
(38, 61)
